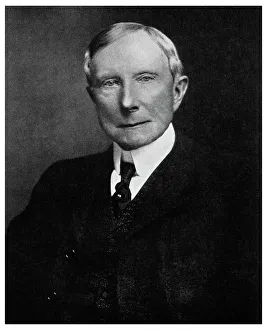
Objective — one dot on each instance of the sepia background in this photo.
(49, 115)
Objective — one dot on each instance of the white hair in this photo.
(119, 30)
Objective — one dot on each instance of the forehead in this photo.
(134, 51)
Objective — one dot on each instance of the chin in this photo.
(136, 138)
(134, 144)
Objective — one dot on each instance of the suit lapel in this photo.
(165, 191)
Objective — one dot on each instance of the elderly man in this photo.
(135, 234)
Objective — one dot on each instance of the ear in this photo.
(179, 89)
(90, 92)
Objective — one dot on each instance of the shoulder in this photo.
(65, 179)
(53, 193)
(192, 160)
(75, 170)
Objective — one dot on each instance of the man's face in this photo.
(133, 90)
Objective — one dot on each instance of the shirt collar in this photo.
(148, 157)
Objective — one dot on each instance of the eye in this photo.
(110, 83)
(146, 78)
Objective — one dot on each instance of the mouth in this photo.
(132, 125)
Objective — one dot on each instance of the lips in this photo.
(133, 124)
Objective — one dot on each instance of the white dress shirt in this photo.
(146, 159)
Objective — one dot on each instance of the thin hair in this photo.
(119, 30)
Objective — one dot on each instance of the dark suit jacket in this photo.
(170, 257)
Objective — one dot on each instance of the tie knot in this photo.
(122, 195)
(127, 172)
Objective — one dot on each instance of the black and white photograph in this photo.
(133, 164)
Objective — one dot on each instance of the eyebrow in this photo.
(114, 75)
(106, 75)
(146, 72)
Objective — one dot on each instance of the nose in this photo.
(129, 100)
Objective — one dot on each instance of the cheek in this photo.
(107, 107)
(160, 103)
(106, 101)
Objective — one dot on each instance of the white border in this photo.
(2, 146)
(133, 3)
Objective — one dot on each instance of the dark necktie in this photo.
(122, 195)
